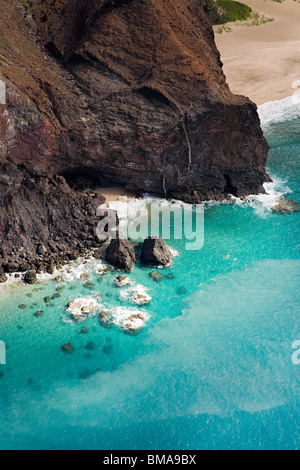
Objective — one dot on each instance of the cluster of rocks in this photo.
(44, 223)
(120, 253)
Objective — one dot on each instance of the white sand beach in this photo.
(115, 193)
(263, 62)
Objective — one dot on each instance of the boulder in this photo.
(120, 254)
(160, 119)
(103, 271)
(3, 278)
(121, 281)
(91, 307)
(105, 319)
(155, 252)
(50, 269)
(24, 267)
(39, 313)
(11, 267)
(30, 277)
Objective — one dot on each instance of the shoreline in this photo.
(113, 194)
(262, 62)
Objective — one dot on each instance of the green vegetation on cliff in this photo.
(225, 11)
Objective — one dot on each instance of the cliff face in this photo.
(126, 91)
(112, 91)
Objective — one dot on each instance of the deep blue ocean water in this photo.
(212, 368)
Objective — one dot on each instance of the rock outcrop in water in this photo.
(117, 91)
(120, 254)
(155, 252)
(285, 206)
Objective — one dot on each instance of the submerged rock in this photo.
(169, 276)
(181, 290)
(286, 206)
(67, 348)
(155, 252)
(85, 374)
(105, 319)
(39, 313)
(108, 349)
(156, 276)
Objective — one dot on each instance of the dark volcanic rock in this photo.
(3, 278)
(128, 91)
(113, 91)
(155, 252)
(67, 348)
(120, 254)
(31, 219)
(30, 277)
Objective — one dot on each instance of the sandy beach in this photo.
(263, 62)
(115, 193)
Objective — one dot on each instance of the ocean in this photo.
(212, 367)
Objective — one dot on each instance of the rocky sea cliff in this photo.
(112, 92)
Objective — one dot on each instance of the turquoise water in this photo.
(212, 368)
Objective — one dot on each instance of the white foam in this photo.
(279, 111)
(81, 307)
(137, 295)
(122, 281)
(144, 208)
(263, 203)
(174, 252)
(129, 319)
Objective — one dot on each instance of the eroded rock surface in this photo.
(155, 252)
(120, 254)
(116, 91)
